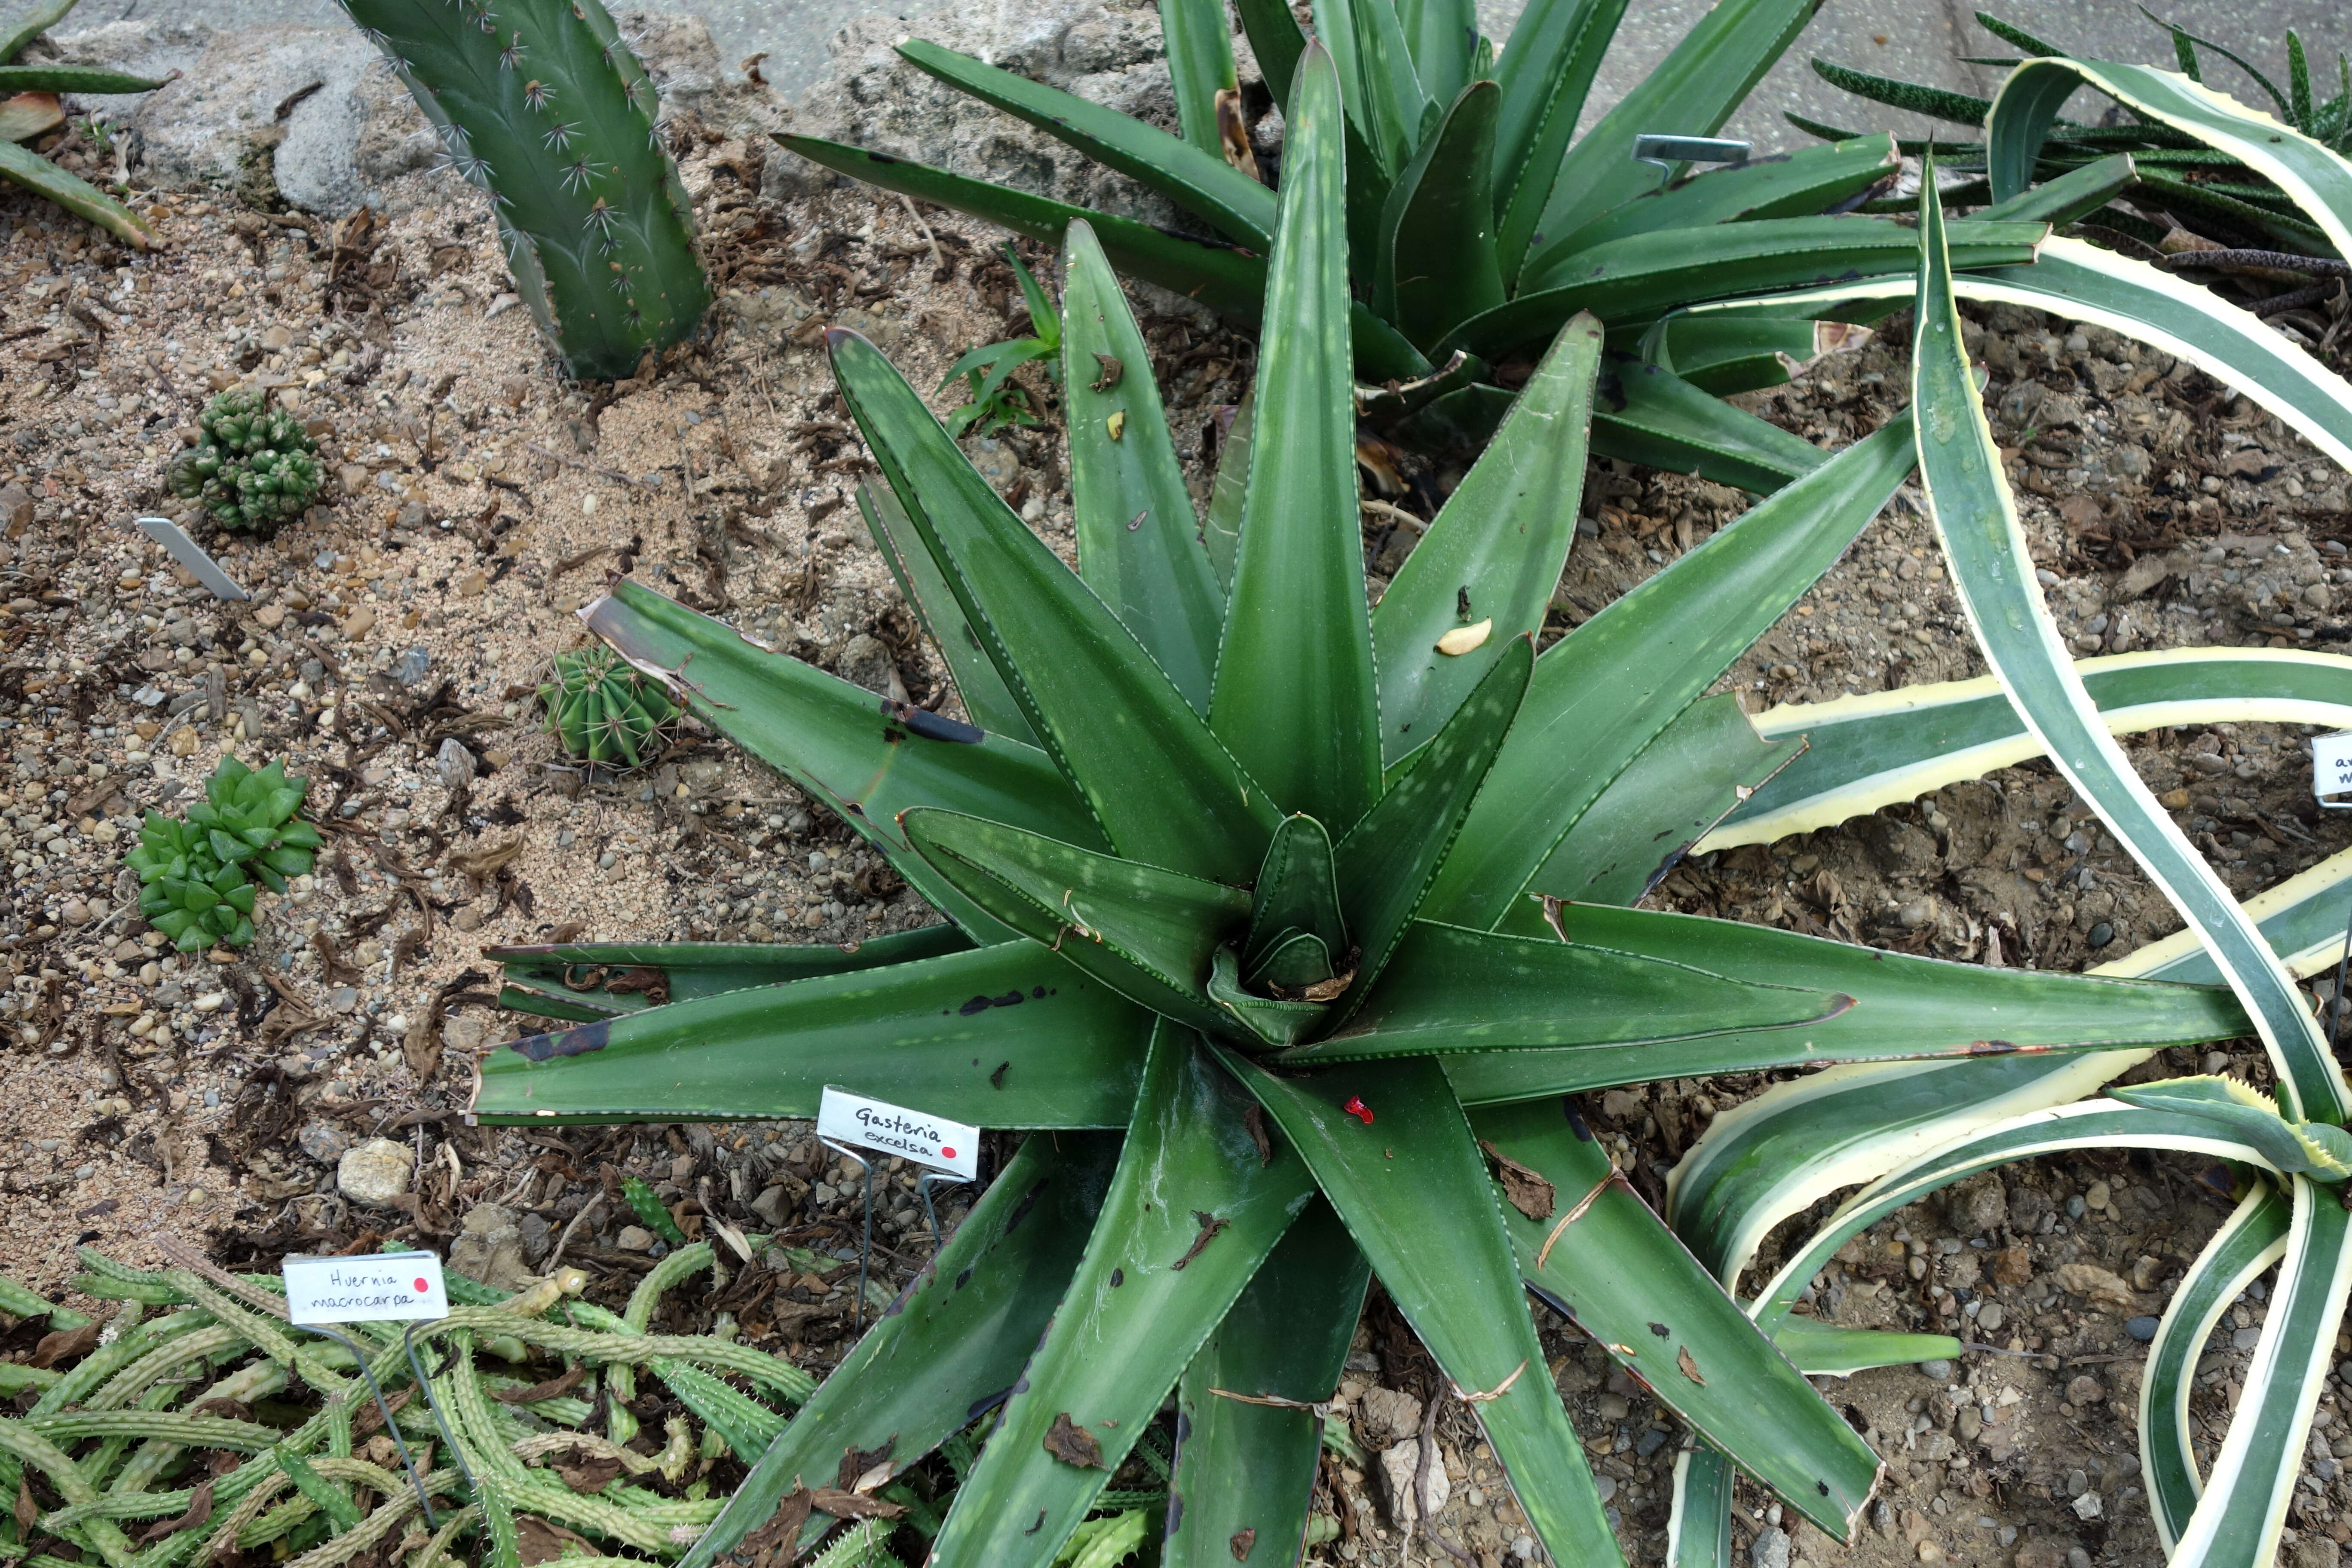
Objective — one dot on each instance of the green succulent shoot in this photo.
(198, 874)
(1477, 221)
(253, 466)
(1289, 925)
(602, 712)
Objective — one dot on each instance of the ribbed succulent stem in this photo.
(541, 104)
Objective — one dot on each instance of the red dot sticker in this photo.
(423, 1288)
(947, 1153)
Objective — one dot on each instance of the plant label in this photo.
(373, 1288)
(888, 1129)
(2331, 768)
(191, 555)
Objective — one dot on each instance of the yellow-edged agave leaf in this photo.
(2077, 280)
(1993, 569)
(2319, 1150)
(2236, 1523)
(2319, 180)
(2249, 1241)
(1779, 1154)
(1883, 747)
(1698, 1527)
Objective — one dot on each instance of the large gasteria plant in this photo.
(1477, 222)
(1247, 884)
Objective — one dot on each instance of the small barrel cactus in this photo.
(253, 466)
(603, 710)
(198, 874)
(541, 104)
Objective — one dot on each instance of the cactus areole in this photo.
(541, 104)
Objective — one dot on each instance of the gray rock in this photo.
(410, 667)
(375, 1173)
(1977, 1205)
(772, 1205)
(2143, 1328)
(2315, 1552)
(1938, 1371)
(454, 763)
(324, 1142)
(1770, 1549)
(489, 1248)
(864, 661)
(635, 1238)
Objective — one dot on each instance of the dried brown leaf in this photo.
(554, 1388)
(1690, 1367)
(542, 1542)
(1530, 1192)
(855, 1505)
(1073, 1444)
(200, 1509)
(64, 1343)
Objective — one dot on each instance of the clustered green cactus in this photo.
(541, 104)
(603, 710)
(199, 873)
(253, 466)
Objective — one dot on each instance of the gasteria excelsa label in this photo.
(876, 1124)
(370, 1288)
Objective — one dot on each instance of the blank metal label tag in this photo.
(191, 555)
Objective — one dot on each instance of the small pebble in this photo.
(1938, 1370)
(2143, 1328)
(635, 1238)
(2101, 934)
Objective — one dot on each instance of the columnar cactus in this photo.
(540, 103)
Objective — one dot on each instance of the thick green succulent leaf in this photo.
(1156, 780)
(2249, 1241)
(1698, 1527)
(1648, 415)
(1867, 752)
(1605, 692)
(1905, 1008)
(1555, 47)
(1141, 548)
(2236, 1523)
(1976, 520)
(1188, 170)
(1221, 525)
(840, 742)
(45, 15)
(1390, 101)
(1824, 1350)
(1297, 891)
(1436, 265)
(1245, 1470)
(1691, 92)
(951, 1344)
(924, 581)
(1589, 1247)
(2070, 197)
(1269, 1020)
(1296, 701)
(1192, 1212)
(1721, 355)
(1148, 934)
(23, 166)
(1644, 275)
(1390, 1147)
(1007, 1036)
(1797, 1143)
(2317, 179)
(1442, 38)
(1786, 184)
(1200, 44)
(1277, 40)
(1657, 810)
(1471, 994)
(1223, 277)
(1912, 98)
(1494, 551)
(1386, 862)
(602, 980)
(84, 79)
(2318, 1150)
(2083, 283)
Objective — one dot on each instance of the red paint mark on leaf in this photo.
(1357, 1108)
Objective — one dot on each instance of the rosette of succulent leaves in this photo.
(198, 873)
(32, 106)
(1287, 927)
(253, 467)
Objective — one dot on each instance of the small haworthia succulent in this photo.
(197, 874)
(541, 104)
(603, 710)
(253, 466)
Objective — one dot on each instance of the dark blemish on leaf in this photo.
(1210, 1226)
(1038, 1526)
(1175, 1515)
(996, 1079)
(963, 1278)
(1112, 371)
(985, 1403)
(1021, 1210)
(930, 726)
(1660, 1329)
(1824, 1486)
(1244, 1539)
(1254, 1119)
(1037, 993)
(1011, 999)
(1118, 1277)
(977, 1004)
(891, 737)
(1462, 601)
(1575, 1120)
(579, 1042)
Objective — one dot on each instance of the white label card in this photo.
(373, 1288)
(2331, 766)
(888, 1129)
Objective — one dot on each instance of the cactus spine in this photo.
(541, 104)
